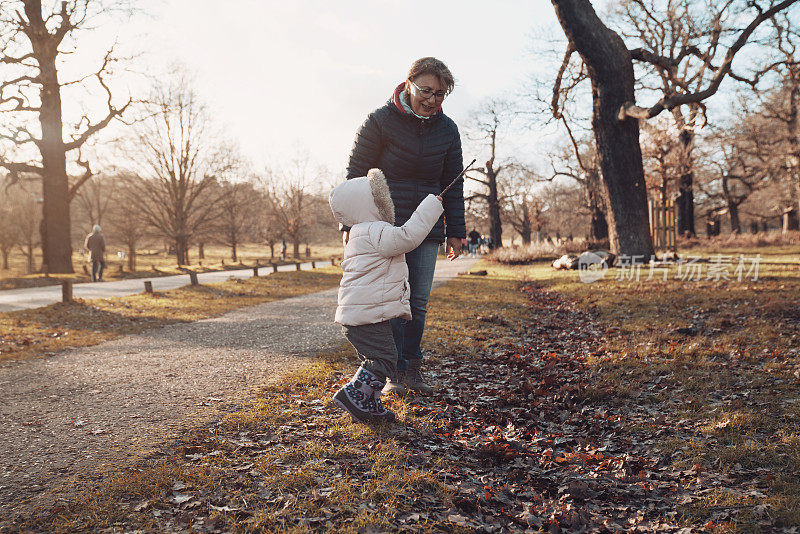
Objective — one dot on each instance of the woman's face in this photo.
(422, 106)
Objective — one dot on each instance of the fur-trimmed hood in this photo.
(364, 199)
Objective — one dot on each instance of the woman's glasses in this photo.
(427, 93)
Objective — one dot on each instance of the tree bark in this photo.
(526, 227)
(793, 125)
(733, 212)
(233, 252)
(610, 69)
(495, 224)
(180, 251)
(685, 200)
(55, 236)
(598, 227)
(132, 258)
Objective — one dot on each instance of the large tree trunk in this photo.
(790, 220)
(56, 239)
(733, 212)
(610, 68)
(5, 260)
(793, 126)
(180, 251)
(685, 200)
(132, 257)
(495, 224)
(598, 227)
(527, 225)
(233, 252)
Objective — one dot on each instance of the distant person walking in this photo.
(96, 245)
(283, 249)
(474, 238)
(418, 148)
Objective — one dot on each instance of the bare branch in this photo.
(82, 180)
(557, 85)
(673, 100)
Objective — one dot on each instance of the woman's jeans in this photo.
(408, 334)
(97, 270)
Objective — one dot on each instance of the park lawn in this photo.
(714, 416)
(151, 263)
(735, 380)
(60, 326)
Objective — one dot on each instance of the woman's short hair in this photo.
(431, 65)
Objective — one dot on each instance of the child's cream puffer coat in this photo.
(374, 284)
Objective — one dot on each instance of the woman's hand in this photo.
(453, 248)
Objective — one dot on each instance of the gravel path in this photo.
(63, 416)
(36, 297)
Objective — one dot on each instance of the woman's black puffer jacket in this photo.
(418, 157)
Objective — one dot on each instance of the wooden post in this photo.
(297, 265)
(274, 267)
(255, 272)
(313, 265)
(193, 278)
(66, 291)
(148, 286)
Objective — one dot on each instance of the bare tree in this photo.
(523, 209)
(269, 227)
(26, 219)
(562, 211)
(94, 199)
(609, 64)
(486, 122)
(239, 207)
(579, 161)
(662, 159)
(9, 236)
(782, 107)
(31, 50)
(745, 157)
(290, 198)
(126, 221)
(178, 196)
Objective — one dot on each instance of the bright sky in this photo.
(284, 77)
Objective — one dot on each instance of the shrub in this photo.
(540, 251)
(760, 239)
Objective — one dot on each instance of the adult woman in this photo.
(418, 148)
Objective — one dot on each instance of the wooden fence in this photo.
(663, 224)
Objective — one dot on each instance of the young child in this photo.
(374, 287)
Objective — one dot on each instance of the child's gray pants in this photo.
(375, 346)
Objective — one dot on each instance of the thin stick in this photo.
(446, 189)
